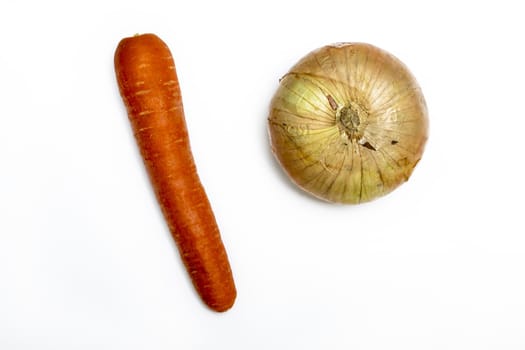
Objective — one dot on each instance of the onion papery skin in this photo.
(348, 123)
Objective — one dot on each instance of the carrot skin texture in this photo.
(149, 86)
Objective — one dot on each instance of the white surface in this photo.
(86, 261)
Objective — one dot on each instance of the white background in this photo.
(86, 261)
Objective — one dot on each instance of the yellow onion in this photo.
(348, 123)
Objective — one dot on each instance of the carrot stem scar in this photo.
(149, 87)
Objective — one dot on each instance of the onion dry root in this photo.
(348, 123)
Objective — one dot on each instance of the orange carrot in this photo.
(150, 89)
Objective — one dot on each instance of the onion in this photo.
(348, 123)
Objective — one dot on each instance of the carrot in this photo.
(149, 86)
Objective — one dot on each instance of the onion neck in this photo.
(351, 120)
